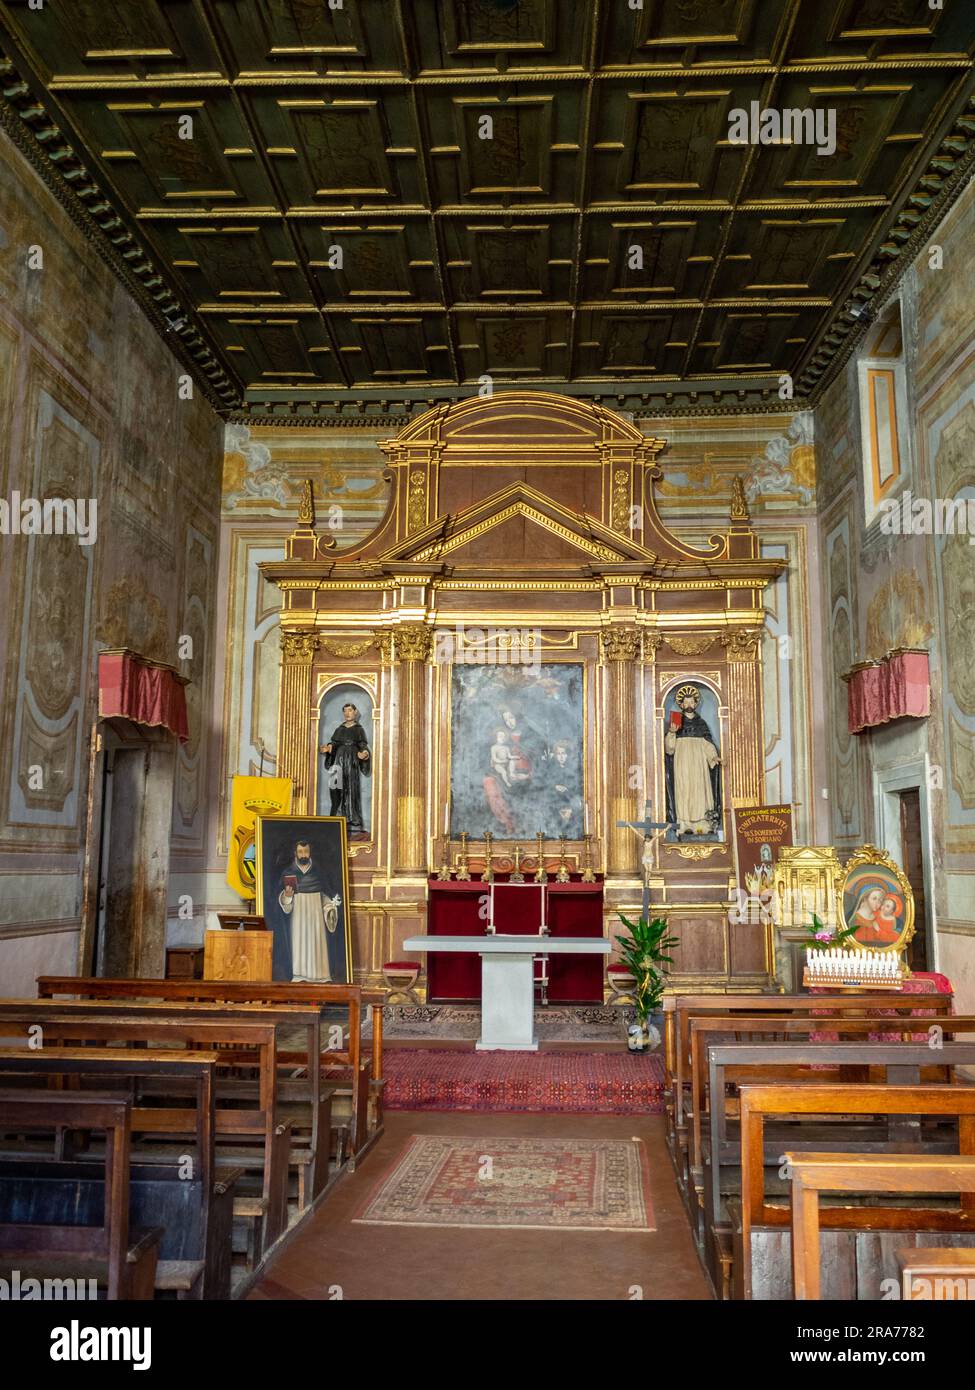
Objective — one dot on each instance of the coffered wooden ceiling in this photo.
(358, 127)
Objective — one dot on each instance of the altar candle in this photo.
(586, 814)
(446, 821)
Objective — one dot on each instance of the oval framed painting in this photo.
(877, 901)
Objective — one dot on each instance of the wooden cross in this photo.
(646, 825)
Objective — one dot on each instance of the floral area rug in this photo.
(462, 1022)
(509, 1184)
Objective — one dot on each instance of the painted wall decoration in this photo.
(303, 894)
(878, 901)
(517, 750)
(692, 763)
(344, 784)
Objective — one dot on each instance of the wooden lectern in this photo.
(240, 951)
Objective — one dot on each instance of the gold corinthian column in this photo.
(412, 645)
(621, 651)
(297, 654)
(745, 699)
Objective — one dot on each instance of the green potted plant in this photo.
(643, 952)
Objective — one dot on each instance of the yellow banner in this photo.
(252, 797)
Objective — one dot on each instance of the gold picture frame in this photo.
(326, 835)
(866, 874)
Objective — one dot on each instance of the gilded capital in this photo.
(413, 643)
(384, 641)
(298, 648)
(621, 644)
(742, 643)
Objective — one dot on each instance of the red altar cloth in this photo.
(924, 982)
(460, 909)
(130, 687)
(895, 688)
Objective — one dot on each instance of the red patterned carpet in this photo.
(586, 1083)
(527, 1184)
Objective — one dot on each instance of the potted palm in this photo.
(643, 952)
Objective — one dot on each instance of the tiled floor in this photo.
(329, 1253)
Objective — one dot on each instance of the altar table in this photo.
(507, 980)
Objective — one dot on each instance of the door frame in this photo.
(887, 783)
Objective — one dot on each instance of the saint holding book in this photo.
(693, 768)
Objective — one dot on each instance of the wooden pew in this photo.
(249, 1044)
(305, 1102)
(706, 1030)
(815, 1173)
(762, 1225)
(121, 1259)
(679, 1009)
(932, 1275)
(359, 1075)
(783, 1062)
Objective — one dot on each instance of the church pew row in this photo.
(358, 1076)
(305, 1098)
(862, 1239)
(813, 1174)
(119, 1257)
(783, 1063)
(679, 1009)
(707, 1030)
(246, 1113)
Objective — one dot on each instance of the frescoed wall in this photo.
(90, 408)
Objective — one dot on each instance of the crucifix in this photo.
(646, 825)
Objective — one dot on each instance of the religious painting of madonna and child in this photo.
(516, 751)
(692, 763)
(877, 901)
(303, 895)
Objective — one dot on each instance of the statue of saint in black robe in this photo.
(346, 770)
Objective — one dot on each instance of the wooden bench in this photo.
(679, 1009)
(305, 1101)
(813, 1174)
(932, 1275)
(357, 1075)
(783, 1062)
(119, 1258)
(236, 1045)
(762, 1259)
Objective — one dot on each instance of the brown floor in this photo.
(384, 1262)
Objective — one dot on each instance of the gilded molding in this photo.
(416, 506)
(413, 642)
(690, 646)
(298, 648)
(621, 501)
(741, 642)
(620, 644)
(346, 648)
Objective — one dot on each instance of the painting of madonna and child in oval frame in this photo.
(877, 901)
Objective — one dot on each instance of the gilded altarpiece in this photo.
(523, 528)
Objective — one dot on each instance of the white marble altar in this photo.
(507, 983)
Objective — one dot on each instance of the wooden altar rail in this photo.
(815, 1173)
(364, 1076)
(760, 1219)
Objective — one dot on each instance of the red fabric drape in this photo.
(894, 688)
(132, 688)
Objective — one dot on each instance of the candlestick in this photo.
(585, 811)
(587, 873)
(540, 875)
(446, 821)
(517, 876)
(562, 873)
(443, 873)
(463, 870)
(488, 874)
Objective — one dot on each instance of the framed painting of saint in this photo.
(877, 901)
(517, 744)
(303, 895)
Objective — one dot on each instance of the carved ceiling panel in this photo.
(341, 204)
